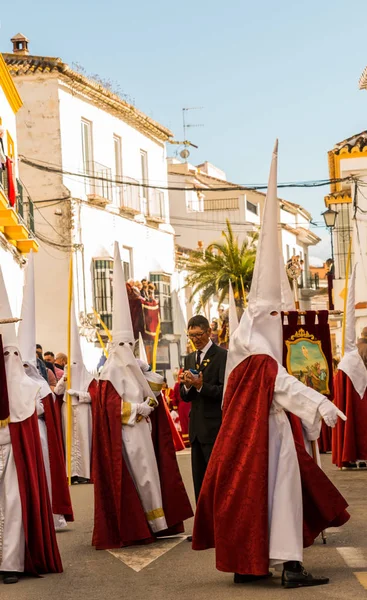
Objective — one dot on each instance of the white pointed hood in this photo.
(22, 390)
(27, 330)
(232, 311)
(259, 331)
(352, 364)
(142, 351)
(80, 377)
(121, 367)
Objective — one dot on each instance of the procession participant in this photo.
(84, 388)
(252, 514)
(129, 507)
(202, 385)
(28, 541)
(51, 439)
(350, 384)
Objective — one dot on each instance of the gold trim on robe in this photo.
(125, 412)
(157, 513)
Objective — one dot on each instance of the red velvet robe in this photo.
(232, 512)
(61, 501)
(119, 518)
(41, 550)
(349, 437)
(177, 439)
(325, 439)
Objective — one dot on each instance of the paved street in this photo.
(170, 570)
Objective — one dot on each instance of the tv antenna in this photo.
(185, 152)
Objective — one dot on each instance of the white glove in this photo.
(144, 409)
(84, 397)
(330, 413)
(73, 393)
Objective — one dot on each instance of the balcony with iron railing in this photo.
(16, 214)
(132, 198)
(98, 183)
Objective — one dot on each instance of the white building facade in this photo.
(199, 212)
(89, 157)
(15, 237)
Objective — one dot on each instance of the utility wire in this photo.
(49, 168)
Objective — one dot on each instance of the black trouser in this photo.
(200, 455)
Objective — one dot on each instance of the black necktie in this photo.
(198, 354)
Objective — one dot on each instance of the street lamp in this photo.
(330, 219)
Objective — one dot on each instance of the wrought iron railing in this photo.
(98, 180)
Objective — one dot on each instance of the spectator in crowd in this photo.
(151, 290)
(42, 369)
(144, 289)
(50, 358)
(61, 361)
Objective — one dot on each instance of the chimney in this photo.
(20, 44)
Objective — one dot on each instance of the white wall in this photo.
(104, 125)
(151, 250)
(13, 276)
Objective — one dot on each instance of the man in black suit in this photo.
(205, 392)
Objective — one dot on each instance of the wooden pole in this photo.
(155, 346)
(346, 295)
(68, 398)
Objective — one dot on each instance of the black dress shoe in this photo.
(295, 576)
(74, 480)
(189, 538)
(362, 464)
(238, 578)
(83, 480)
(350, 465)
(11, 578)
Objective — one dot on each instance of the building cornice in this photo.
(27, 65)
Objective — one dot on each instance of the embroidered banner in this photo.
(307, 355)
(307, 350)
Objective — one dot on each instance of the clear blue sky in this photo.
(261, 70)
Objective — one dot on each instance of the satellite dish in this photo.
(185, 153)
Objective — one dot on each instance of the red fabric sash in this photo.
(61, 501)
(325, 439)
(349, 437)
(58, 416)
(41, 551)
(177, 439)
(12, 194)
(232, 512)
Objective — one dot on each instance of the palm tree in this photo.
(211, 271)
